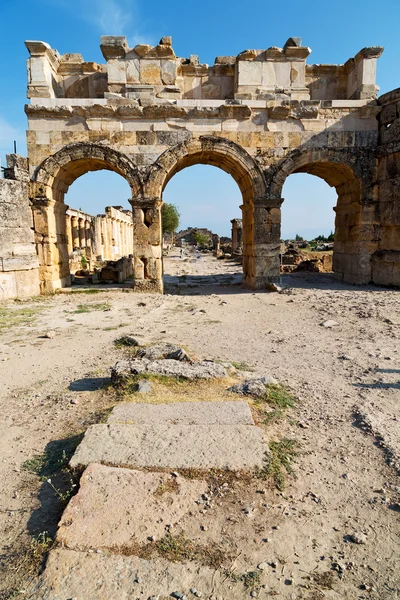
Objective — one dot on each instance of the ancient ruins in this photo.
(146, 114)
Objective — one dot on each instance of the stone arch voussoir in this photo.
(335, 166)
(60, 166)
(212, 150)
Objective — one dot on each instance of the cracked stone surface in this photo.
(234, 447)
(190, 413)
(117, 508)
(171, 368)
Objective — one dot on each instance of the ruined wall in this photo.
(386, 260)
(260, 116)
(18, 260)
(107, 236)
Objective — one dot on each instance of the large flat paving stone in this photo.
(118, 508)
(205, 369)
(72, 575)
(191, 413)
(234, 447)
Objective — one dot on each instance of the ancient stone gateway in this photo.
(146, 114)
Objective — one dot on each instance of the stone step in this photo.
(119, 508)
(235, 447)
(190, 413)
(72, 575)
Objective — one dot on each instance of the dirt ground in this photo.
(334, 530)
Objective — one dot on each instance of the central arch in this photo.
(207, 150)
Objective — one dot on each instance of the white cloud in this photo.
(111, 17)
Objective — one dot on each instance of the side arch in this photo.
(352, 174)
(49, 184)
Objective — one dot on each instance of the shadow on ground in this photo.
(59, 484)
(89, 384)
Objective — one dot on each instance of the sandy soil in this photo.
(346, 379)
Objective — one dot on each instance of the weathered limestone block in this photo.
(145, 501)
(234, 447)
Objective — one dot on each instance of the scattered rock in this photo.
(273, 287)
(263, 566)
(50, 334)
(357, 538)
(329, 324)
(253, 387)
(128, 340)
(144, 386)
(163, 351)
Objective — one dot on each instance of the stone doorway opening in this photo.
(207, 247)
(308, 225)
(99, 229)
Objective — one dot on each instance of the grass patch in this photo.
(87, 308)
(116, 327)
(272, 417)
(279, 397)
(170, 486)
(90, 292)
(179, 548)
(126, 341)
(242, 366)
(279, 461)
(15, 317)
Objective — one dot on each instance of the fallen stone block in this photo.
(234, 447)
(254, 387)
(119, 508)
(97, 576)
(189, 413)
(126, 369)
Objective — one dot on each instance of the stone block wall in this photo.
(19, 263)
(386, 260)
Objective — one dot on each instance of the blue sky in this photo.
(334, 32)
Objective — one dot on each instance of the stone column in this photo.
(97, 245)
(266, 245)
(147, 245)
(75, 232)
(237, 247)
(88, 235)
(82, 233)
(68, 227)
(49, 219)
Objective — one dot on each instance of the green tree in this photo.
(298, 238)
(200, 238)
(169, 218)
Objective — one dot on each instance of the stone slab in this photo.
(118, 508)
(234, 447)
(72, 575)
(189, 413)
(205, 369)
